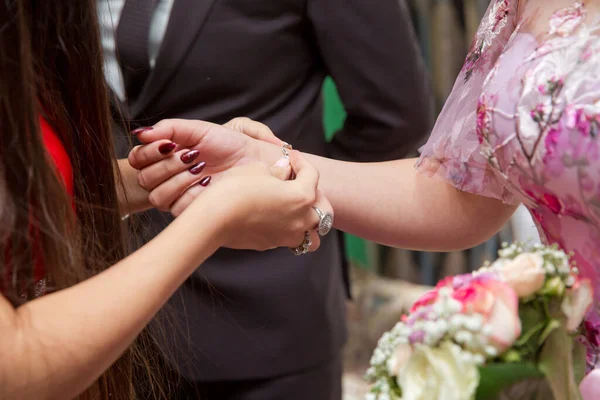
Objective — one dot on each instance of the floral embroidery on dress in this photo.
(523, 125)
(565, 21)
(488, 30)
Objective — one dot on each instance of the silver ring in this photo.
(285, 149)
(325, 222)
(304, 246)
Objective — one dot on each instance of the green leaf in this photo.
(556, 362)
(493, 378)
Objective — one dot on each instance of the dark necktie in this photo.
(132, 44)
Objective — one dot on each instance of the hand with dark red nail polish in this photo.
(205, 181)
(197, 169)
(189, 157)
(142, 129)
(166, 148)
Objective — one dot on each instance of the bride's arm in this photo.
(387, 202)
(392, 204)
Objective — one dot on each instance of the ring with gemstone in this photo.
(325, 222)
(285, 149)
(304, 246)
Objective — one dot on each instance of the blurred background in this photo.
(386, 281)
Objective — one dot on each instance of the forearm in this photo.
(132, 197)
(59, 344)
(390, 203)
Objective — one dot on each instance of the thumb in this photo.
(282, 169)
(254, 129)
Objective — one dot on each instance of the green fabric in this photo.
(333, 120)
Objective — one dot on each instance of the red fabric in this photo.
(59, 155)
(63, 164)
(57, 152)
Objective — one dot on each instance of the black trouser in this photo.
(323, 382)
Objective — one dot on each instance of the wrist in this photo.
(265, 152)
(215, 211)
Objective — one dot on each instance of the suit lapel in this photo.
(186, 20)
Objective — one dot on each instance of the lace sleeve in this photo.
(453, 151)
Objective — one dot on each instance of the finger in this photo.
(254, 129)
(313, 219)
(173, 164)
(145, 155)
(166, 194)
(184, 132)
(281, 169)
(306, 174)
(315, 241)
(186, 199)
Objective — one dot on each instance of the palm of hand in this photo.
(169, 180)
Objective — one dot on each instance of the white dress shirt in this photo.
(109, 14)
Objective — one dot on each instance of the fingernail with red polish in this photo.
(189, 157)
(166, 148)
(142, 129)
(196, 169)
(205, 181)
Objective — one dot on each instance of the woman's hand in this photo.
(260, 211)
(177, 155)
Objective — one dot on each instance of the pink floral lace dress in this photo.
(523, 123)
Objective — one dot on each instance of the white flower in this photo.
(525, 274)
(438, 374)
(577, 303)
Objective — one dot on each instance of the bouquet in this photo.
(513, 329)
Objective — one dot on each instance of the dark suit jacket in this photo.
(245, 314)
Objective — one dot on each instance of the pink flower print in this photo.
(551, 140)
(550, 200)
(490, 27)
(564, 22)
(591, 330)
(585, 123)
(537, 114)
(551, 86)
(552, 156)
(553, 203)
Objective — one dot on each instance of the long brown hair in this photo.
(51, 65)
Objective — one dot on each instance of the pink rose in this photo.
(525, 274)
(426, 299)
(498, 303)
(577, 302)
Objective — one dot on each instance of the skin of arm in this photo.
(392, 204)
(57, 345)
(132, 197)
